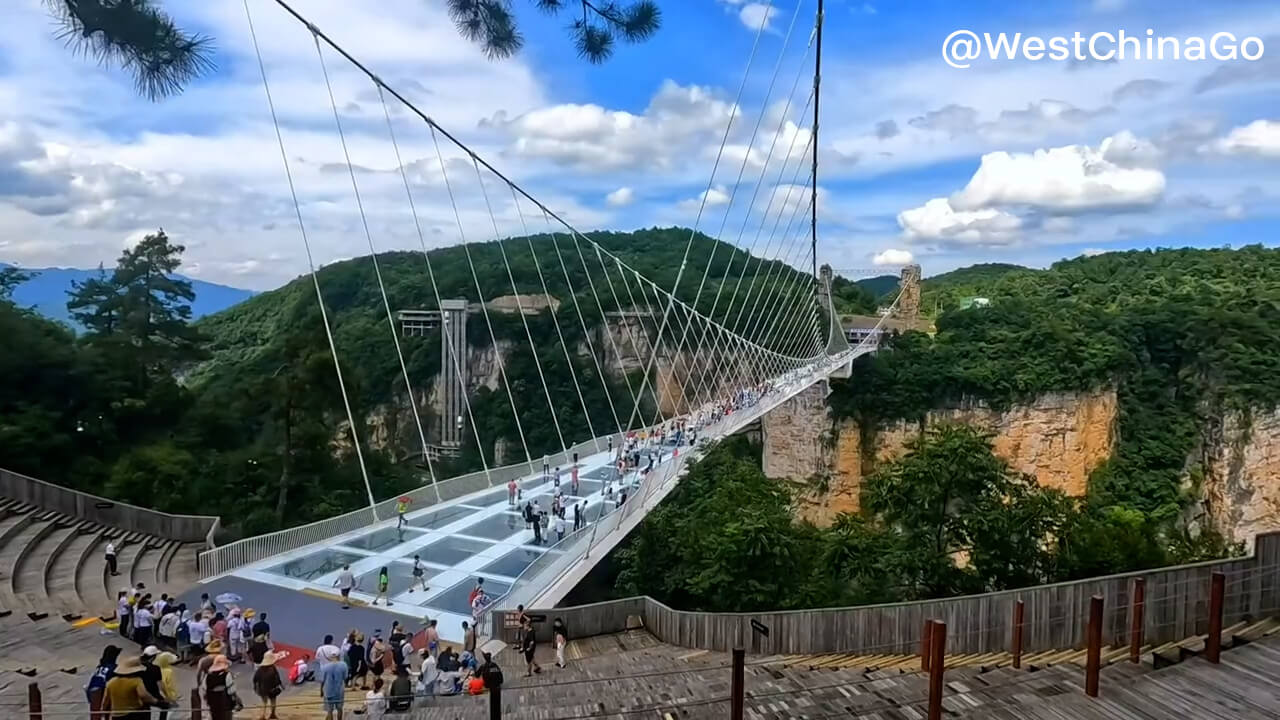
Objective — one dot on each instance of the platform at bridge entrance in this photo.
(476, 536)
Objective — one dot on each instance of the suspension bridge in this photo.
(732, 338)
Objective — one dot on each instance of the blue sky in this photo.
(1007, 161)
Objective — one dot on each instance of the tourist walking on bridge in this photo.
(345, 582)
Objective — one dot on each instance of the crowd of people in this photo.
(128, 685)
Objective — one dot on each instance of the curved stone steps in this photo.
(13, 547)
(32, 566)
(179, 572)
(90, 568)
(145, 564)
(127, 551)
(63, 566)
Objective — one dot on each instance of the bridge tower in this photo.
(909, 301)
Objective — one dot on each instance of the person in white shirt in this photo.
(235, 636)
(122, 612)
(198, 630)
(167, 629)
(111, 558)
(327, 652)
(478, 605)
(142, 625)
(560, 526)
(375, 703)
(345, 583)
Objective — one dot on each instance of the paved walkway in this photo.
(476, 536)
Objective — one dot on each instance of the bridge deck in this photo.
(479, 535)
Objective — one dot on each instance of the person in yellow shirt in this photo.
(126, 697)
(168, 683)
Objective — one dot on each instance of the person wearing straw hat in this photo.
(168, 683)
(220, 689)
(125, 696)
(267, 685)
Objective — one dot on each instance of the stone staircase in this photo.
(52, 564)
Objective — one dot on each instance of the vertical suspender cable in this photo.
(315, 279)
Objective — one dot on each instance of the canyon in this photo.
(1059, 438)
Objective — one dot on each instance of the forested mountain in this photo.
(1182, 335)
(944, 291)
(237, 414)
(46, 290)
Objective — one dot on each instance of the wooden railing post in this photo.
(937, 653)
(195, 704)
(925, 637)
(737, 691)
(1137, 613)
(34, 702)
(1017, 634)
(1213, 645)
(1093, 640)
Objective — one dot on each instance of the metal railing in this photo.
(226, 558)
(237, 554)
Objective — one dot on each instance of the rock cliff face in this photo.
(1241, 464)
(1060, 438)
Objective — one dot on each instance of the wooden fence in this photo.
(1055, 616)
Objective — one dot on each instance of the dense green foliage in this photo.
(943, 292)
(947, 518)
(1183, 335)
(241, 414)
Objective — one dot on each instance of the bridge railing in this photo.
(1176, 606)
(551, 566)
(243, 552)
(237, 554)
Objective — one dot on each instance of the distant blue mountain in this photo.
(47, 293)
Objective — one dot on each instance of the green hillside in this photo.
(880, 285)
(944, 292)
(236, 414)
(1183, 335)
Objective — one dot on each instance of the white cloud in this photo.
(710, 198)
(894, 257)
(937, 220)
(621, 197)
(757, 15)
(679, 122)
(1073, 178)
(1260, 137)
(1125, 148)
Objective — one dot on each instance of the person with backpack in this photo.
(220, 689)
(102, 674)
(267, 685)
